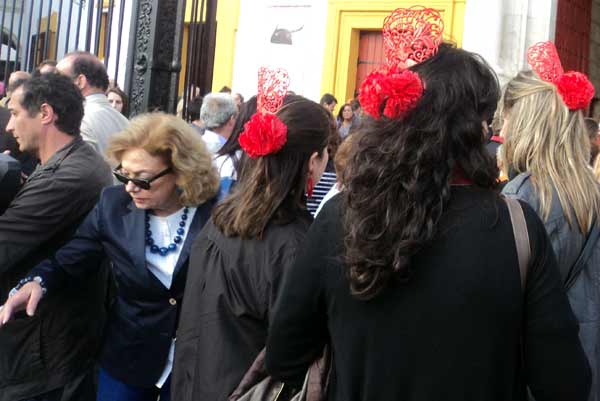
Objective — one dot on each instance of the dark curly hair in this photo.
(60, 93)
(399, 179)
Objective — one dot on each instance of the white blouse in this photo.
(164, 230)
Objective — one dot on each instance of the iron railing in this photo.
(138, 40)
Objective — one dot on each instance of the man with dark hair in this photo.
(50, 356)
(238, 99)
(100, 120)
(193, 110)
(329, 102)
(45, 67)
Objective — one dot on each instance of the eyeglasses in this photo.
(143, 183)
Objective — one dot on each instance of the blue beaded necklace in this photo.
(164, 251)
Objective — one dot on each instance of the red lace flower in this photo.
(575, 89)
(392, 93)
(264, 134)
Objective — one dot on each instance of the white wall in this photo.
(303, 59)
(502, 31)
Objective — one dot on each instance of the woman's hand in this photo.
(27, 298)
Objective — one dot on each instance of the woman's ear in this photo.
(313, 162)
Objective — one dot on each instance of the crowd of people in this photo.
(437, 239)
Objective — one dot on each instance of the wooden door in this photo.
(573, 26)
(370, 55)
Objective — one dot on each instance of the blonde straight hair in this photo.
(545, 138)
(597, 168)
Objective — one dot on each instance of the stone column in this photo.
(502, 30)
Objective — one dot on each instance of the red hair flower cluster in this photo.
(264, 134)
(575, 89)
(392, 93)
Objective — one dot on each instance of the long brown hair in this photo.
(271, 188)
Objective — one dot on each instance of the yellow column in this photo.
(228, 12)
(345, 20)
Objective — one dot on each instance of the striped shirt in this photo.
(327, 181)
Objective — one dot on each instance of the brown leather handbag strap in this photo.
(519, 225)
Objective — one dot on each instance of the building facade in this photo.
(330, 45)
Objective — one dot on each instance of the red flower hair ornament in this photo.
(265, 133)
(410, 36)
(391, 94)
(574, 87)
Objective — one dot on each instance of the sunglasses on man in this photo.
(142, 183)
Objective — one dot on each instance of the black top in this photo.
(46, 351)
(143, 318)
(230, 289)
(452, 332)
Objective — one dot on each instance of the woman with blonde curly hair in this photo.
(145, 228)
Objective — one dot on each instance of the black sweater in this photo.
(452, 332)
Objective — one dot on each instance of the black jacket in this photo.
(452, 332)
(228, 297)
(44, 352)
(143, 319)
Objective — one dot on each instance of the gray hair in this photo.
(217, 109)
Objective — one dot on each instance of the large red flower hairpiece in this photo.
(410, 36)
(265, 133)
(574, 87)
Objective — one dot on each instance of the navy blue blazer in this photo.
(143, 319)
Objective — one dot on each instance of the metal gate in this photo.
(139, 41)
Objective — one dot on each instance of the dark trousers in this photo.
(82, 388)
(111, 389)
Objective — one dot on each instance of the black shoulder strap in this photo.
(586, 253)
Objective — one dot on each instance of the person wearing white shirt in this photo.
(100, 120)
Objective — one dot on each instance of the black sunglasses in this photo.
(143, 183)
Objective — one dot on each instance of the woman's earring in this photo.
(310, 186)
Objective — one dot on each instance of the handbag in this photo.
(256, 385)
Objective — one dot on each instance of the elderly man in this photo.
(50, 356)
(218, 113)
(100, 120)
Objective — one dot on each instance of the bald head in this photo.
(15, 80)
(86, 70)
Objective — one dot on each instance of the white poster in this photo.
(287, 34)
